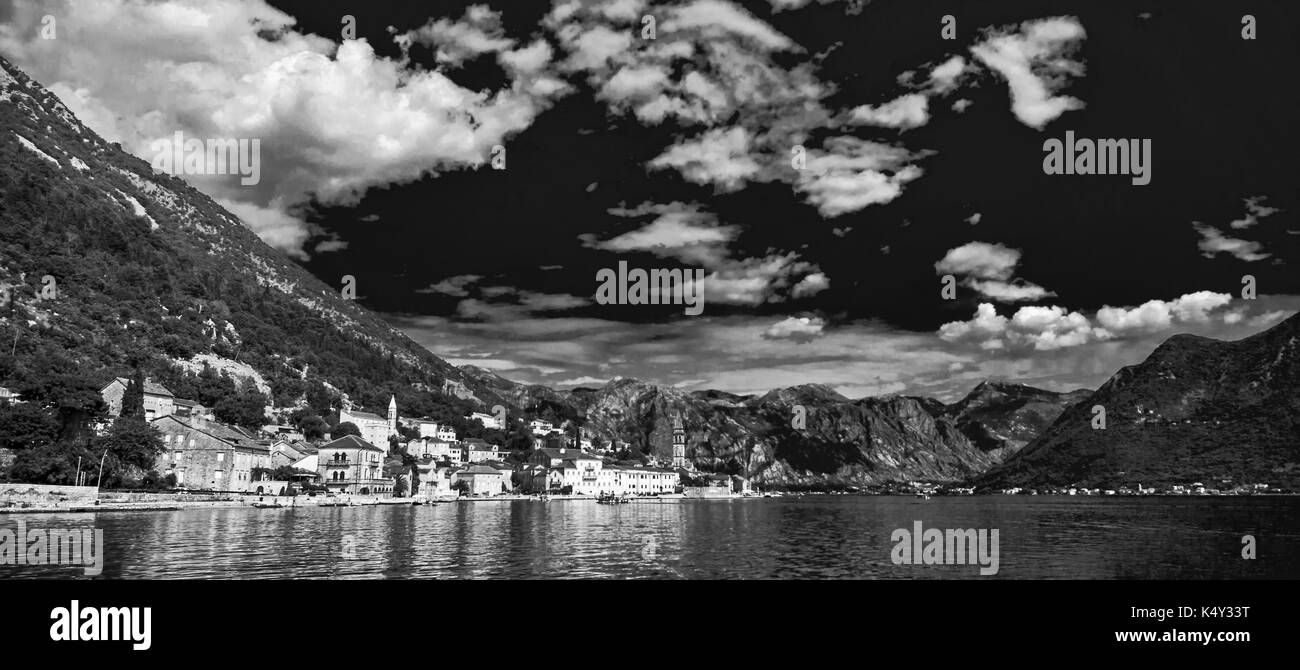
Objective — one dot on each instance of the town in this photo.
(367, 458)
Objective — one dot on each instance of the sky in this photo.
(822, 164)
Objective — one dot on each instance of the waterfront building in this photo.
(207, 454)
(353, 465)
(482, 480)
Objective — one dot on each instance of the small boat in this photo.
(923, 496)
(261, 505)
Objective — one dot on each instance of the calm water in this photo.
(821, 537)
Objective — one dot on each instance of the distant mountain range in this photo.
(151, 270)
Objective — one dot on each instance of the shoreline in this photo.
(283, 502)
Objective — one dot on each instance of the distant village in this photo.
(203, 454)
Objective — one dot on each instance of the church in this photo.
(375, 429)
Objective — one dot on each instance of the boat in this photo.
(923, 496)
(262, 505)
(612, 500)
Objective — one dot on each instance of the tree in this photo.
(461, 486)
(412, 463)
(313, 427)
(345, 428)
(399, 486)
(132, 447)
(133, 397)
(246, 408)
(26, 425)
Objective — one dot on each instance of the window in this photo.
(221, 456)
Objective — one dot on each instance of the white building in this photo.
(477, 451)
(438, 450)
(374, 429)
(487, 420)
(482, 480)
(353, 465)
(539, 427)
(432, 429)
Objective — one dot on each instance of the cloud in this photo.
(1035, 62)
(713, 19)
(720, 157)
(944, 77)
(907, 111)
(1214, 242)
(1255, 210)
(851, 174)
(989, 269)
(797, 329)
(452, 286)
(679, 231)
(479, 32)
(811, 285)
(1049, 328)
(334, 120)
(1157, 315)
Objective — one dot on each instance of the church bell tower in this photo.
(679, 443)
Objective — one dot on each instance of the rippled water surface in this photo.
(834, 537)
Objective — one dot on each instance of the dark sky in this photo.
(1219, 117)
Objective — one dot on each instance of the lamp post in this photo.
(101, 472)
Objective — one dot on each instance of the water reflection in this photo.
(792, 538)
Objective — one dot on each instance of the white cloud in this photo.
(679, 231)
(1158, 315)
(811, 285)
(719, 157)
(797, 329)
(907, 111)
(1035, 61)
(333, 120)
(1255, 210)
(479, 32)
(1048, 328)
(714, 18)
(989, 269)
(851, 174)
(943, 77)
(453, 286)
(1214, 242)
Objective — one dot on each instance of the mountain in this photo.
(1001, 417)
(842, 442)
(149, 270)
(1196, 409)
